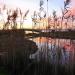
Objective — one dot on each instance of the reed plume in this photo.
(66, 2)
(41, 2)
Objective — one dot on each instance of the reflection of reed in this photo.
(54, 52)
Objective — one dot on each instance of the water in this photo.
(56, 52)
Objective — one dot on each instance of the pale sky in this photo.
(34, 5)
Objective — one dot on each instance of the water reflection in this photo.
(55, 51)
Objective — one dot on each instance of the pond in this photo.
(54, 50)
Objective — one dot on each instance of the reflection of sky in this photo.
(52, 51)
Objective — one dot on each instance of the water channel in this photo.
(57, 52)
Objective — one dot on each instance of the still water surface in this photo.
(55, 51)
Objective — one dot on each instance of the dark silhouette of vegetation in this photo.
(15, 49)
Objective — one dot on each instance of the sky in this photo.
(33, 5)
